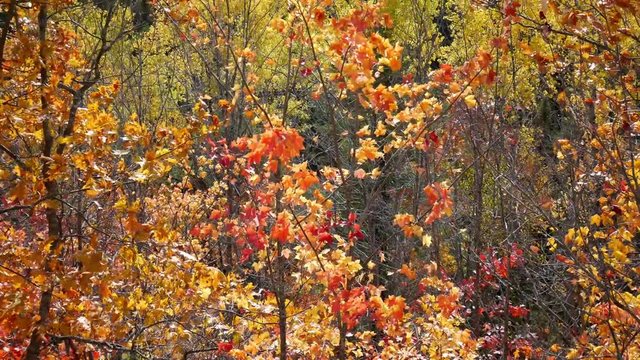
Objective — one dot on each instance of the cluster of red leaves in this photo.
(355, 233)
(322, 232)
(351, 304)
(494, 265)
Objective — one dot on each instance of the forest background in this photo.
(319, 179)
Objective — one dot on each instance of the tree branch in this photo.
(103, 344)
(14, 157)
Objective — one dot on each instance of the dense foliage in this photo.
(319, 179)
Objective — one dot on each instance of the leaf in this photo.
(91, 261)
(18, 192)
(426, 240)
(225, 346)
(205, 292)
(367, 151)
(470, 101)
(280, 231)
(408, 272)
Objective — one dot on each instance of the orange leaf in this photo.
(406, 271)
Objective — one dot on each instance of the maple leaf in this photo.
(303, 177)
(280, 231)
(408, 272)
(444, 74)
(447, 303)
(396, 305)
(283, 144)
(367, 151)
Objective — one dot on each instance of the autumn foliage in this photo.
(319, 179)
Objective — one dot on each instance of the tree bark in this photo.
(51, 186)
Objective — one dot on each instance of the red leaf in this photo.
(306, 71)
(445, 74)
(325, 238)
(225, 346)
(352, 218)
(246, 254)
(518, 311)
(195, 231)
(511, 9)
(356, 233)
(434, 137)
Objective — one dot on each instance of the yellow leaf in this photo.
(470, 100)
(368, 151)
(573, 354)
(562, 98)
(142, 305)
(64, 140)
(571, 234)
(74, 62)
(426, 240)
(92, 193)
(381, 129)
(364, 131)
(205, 292)
(68, 77)
(599, 235)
